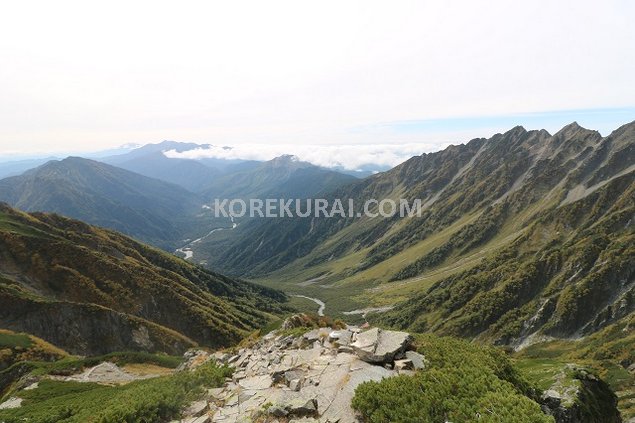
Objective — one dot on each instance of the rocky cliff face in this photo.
(88, 328)
(580, 397)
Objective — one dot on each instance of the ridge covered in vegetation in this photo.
(92, 291)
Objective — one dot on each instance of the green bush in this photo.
(158, 399)
(463, 383)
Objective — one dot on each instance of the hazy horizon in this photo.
(347, 157)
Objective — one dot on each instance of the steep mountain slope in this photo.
(284, 176)
(510, 224)
(92, 291)
(148, 209)
(189, 174)
(17, 167)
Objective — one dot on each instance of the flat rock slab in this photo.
(105, 373)
(381, 346)
(196, 408)
(256, 383)
(12, 402)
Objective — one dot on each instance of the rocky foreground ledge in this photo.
(302, 378)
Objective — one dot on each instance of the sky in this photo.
(87, 76)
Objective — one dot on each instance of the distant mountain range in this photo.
(94, 291)
(148, 209)
(150, 160)
(166, 210)
(224, 178)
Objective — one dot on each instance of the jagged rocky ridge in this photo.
(534, 232)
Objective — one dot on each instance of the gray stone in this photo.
(279, 375)
(418, 360)
(312, 335)
(295, 384)
(404, 364)
(239, 375)
(196, 408)
(380, 346)
(215, 392)
(256, 382)
(200, 419)
(299, 408)
(277, 411)
(220, 356)
(242, 361)
(552, 394)
(245, 395)
(293, 375)
(341, 337)
(311, 384)
(32, 386)
(106, 373)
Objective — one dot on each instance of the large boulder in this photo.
(381, 346)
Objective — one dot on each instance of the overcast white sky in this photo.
(81, 75)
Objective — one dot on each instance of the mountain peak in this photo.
(286, 158)
(75, 159)
(571, 129)
(516, 130)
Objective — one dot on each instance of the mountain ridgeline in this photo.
(148, 209)
(524, 236)
(159, 200)
(94, 291)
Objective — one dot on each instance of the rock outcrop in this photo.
(578, 396)
(306, 378)
(381, 346)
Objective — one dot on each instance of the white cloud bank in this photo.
(349, 157)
